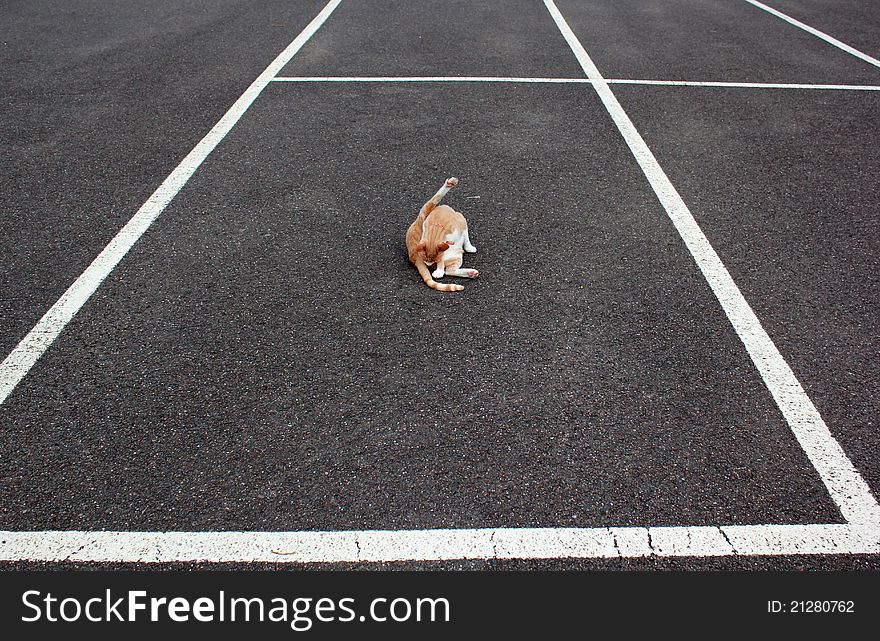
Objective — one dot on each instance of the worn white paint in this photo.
(437, 545)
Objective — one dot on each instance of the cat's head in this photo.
(438, 249)
(433, 251)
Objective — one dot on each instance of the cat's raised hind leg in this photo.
(429, 206)
(449, 184)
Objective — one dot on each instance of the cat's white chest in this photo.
(455, 239)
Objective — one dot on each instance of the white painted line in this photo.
(19, 362)
(581, 81)
(438, 545)
(824, 36)
(742, 85)
(844, 483)
(428, 79)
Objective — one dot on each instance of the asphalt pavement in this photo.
(265, 357)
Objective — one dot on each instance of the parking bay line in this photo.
(824, 36)
(500, 79)
(364, 546)
(847, 488)
(583, 81)
(29, 350)
(742, 85)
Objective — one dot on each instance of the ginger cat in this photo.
(439, 236)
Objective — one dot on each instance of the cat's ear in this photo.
(418, 248)
(443, 246)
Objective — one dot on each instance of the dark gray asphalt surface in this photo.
(852, 21)
(799, 239)
(100, 102)
(333, 393)
(266, 358)
(711, 40)
(453, 38)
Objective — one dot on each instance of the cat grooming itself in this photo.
(439, 236)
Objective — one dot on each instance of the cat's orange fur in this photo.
(439, 236)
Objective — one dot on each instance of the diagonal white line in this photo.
(19, 362)
(352, 546)
(845, 485)
(824, 36)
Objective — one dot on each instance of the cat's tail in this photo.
(433, 284)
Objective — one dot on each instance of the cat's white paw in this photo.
(472, 273)
(470, 249)
(438, 273)
(451, 182)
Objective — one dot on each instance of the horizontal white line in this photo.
(743, 85)
(438, 545)
(580, 81)
(824, 36)
(425, 79)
